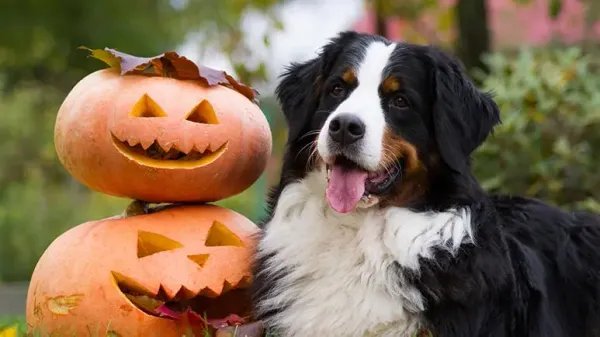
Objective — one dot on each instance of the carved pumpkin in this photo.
(120, 276)
(160, 139)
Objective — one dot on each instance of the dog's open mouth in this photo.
(348, 184)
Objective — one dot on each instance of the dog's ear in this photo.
(463, 116)
(299, 93)
(300, 86)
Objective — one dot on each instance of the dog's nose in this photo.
(346, 129)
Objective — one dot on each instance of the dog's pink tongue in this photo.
(346, 187)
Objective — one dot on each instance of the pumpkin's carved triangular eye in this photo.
(203, 113)
(147, 107)
(199, 259)
(220, 235)
(151, 243)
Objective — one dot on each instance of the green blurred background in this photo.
(548, 87)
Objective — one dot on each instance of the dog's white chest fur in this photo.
(340, 271)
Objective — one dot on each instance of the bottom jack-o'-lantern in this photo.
(179, 271)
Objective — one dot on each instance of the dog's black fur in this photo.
(534, 270)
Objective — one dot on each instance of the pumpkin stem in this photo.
(136, 207)
(139, 207)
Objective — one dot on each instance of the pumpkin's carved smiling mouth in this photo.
(156, 155)
(205, 305)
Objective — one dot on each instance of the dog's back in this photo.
(556, 261)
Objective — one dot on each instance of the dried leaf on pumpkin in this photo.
(170, 64)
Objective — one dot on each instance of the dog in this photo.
(378, 227)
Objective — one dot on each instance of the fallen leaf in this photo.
(170, 64)
(230, 320)
(254, 329)
(210, 325)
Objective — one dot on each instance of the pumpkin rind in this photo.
(74, 285)
(100, 126)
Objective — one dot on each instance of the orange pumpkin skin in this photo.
(150, 138)
(77, 285)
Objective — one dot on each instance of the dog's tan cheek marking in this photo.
(414, 182)
(395, 147)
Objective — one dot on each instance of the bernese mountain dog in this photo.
(378, 226)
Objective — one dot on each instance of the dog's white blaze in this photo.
(365, 103)
(341, 279)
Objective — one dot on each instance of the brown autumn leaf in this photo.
(170, 64)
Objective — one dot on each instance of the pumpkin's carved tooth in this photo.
(200, 148)
(146, 143)
(207, 292)
(214, 148)
(163, 294)
(226, 287)
(119, 134)
(166, 146)
(132, 141)
(243, 282)
(185, 147)
(184, 294)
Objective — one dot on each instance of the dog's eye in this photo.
(399, 102)
(338, 90)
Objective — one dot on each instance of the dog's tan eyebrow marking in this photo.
(391, 84)
(349, 76)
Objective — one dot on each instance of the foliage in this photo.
(222, 29)
(44, 35)
(549, 143)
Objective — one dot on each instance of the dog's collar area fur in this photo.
(348, 267)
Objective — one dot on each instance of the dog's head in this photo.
(386, 119)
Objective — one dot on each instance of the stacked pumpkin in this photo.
(181, 135)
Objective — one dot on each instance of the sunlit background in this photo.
(540, 57)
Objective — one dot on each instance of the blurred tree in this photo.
(473, 32)
(44, 35)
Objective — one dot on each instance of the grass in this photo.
(9, 321)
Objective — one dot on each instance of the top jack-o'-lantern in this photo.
(179, 133)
